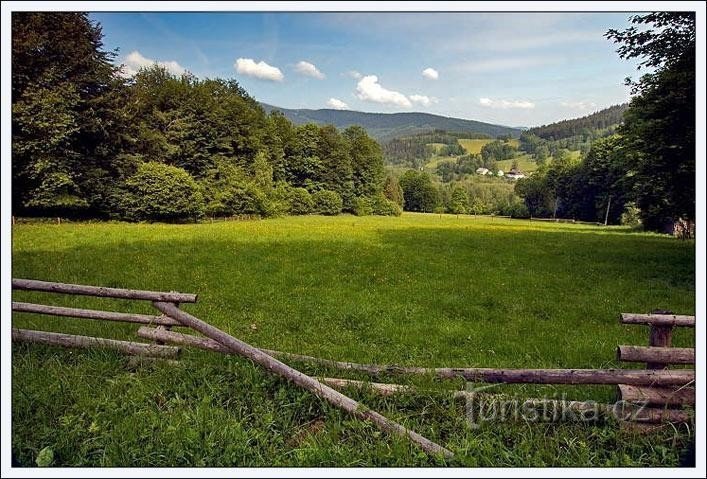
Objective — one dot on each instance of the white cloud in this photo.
(430, 73)
(423, 100)
(135, 60)
(337, 104)
(353, 74)
(579, 105)
(369, 89)
(505, 104)
(308, 69)
(261, 70)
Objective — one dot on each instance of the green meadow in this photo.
(419, 290)
(473, 146)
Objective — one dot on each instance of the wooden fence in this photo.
(658, 356)
(670, 389)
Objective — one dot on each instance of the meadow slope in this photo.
(430, 290)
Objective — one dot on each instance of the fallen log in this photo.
(92, 314)
(657, 396)
(75, 341)
(102, 292)
(658, 319)
(319, 389)
(491, 375)
(652, 354)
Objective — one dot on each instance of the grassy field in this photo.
(525, 163)
(428, 290)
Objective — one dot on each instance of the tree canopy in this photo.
(88, 141)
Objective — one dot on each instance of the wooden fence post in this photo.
(660, 336)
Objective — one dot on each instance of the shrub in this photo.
(631, 215)
(362, 206)
(327, 202)
(245, 199)
(384, 207)
(161, 192)
(300, 202)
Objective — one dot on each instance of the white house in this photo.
(482, 171)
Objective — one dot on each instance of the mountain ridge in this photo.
(386, 126)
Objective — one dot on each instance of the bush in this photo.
(631, 215)
(300, 202)
(327, 202)
(161, 192)
(384, 207)
(245, 199)
(362, 206)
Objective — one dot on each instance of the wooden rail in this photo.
(653, 354)
(658, 319)
(102, 292)
(74, 341)
(658, 396)
(92, 314)
(622, 411)
(491, 375)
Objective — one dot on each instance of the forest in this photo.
(90, 142)
(643, 168)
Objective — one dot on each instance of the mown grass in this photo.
(431, 290)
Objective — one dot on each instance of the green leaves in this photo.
(45, 457)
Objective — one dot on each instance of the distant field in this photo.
(434, 162)
(422, 289)
(525, 163)
(474, 146)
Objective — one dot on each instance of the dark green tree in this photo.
(659, 126)
(419, 192)
(67, 127)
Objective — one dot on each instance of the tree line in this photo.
(89, 142)
(646, 169)
(468, 195)
(414, 151)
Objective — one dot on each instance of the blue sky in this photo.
(518, 69)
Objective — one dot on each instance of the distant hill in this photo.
(386, 126)
(601, 120)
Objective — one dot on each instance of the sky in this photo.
(515, 69)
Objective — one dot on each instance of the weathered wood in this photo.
(92, 314)
(75, 341)
(658, 319)
(492, 375)
(383, 389)
(662, 337)
(621, 410)
(99, 291)
(658, 355)
(629, 412)
(657, 396)
(316, 387)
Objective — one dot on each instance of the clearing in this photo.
(422, 289)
